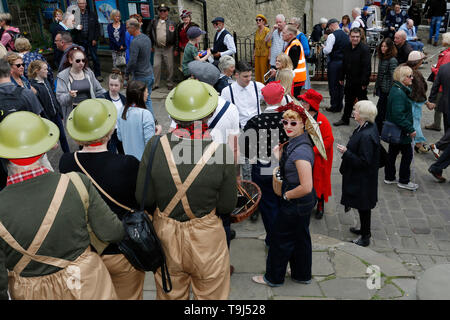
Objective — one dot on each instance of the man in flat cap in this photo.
(162, 33)
(223, 41)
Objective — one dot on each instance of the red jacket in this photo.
(444, 58)
(322, 167)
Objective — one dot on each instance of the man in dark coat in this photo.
(319, 29)
(403, 47)
(356, 73)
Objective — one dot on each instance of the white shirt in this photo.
(227, 125)
(245, 100)
(229, 42)
(331, 39)
(285, 101)
(119, 105)
(358, 23)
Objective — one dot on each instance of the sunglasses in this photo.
(258, 20)
(19, 65)
(410, 76)
(292, 123)
(80, 60)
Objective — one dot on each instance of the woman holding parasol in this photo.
(322, 166)
(291, 240)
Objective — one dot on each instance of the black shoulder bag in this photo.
(141, 245)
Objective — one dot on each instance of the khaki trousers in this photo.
(163, 55)
(197, 255)
(128, 281)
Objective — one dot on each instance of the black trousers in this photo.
(381, 107)
(364, 218)
(443, 162)
(334, 87)
(405, 164)
(351, 94)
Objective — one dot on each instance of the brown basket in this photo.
(276, 182)
(249, 195)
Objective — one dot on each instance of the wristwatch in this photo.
(284, 197)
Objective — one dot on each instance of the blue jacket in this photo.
(305, 44)
(113, 44)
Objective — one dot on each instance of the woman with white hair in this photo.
(399, 112)
(116, 33)
(359, 168)
(227, 65)
(319, 30)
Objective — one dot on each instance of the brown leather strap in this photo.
(98, 186)
(183, 187)
(47, 222)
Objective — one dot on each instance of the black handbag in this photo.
(391, 133)
(141, 245)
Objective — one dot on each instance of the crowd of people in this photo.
(123, 158)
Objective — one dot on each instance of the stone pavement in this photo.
(410, 230)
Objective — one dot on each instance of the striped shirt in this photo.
(277, 46)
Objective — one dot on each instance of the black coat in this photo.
(93, 29)
(317, 33)
(356, 67)
(359, 169)
(47, 98)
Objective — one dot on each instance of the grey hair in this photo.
(323, 20)
(367, 110)
(67, 15)
(226, 62)
(446, 39)
(133, 23)
(297, 21)
(357, 10)
(42, 162)
(114, 13)
(402, 33)
(5, 69)
(280, 16)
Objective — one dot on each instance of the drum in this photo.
(249, 195)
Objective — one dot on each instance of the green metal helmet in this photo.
(191, 100)
(24, 134)
(91, 120)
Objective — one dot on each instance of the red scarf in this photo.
(194, 131)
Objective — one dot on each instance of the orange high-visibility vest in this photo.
(300, 70)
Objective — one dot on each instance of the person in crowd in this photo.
(359, 169)
(64, 43)
(88, 33)
(319, 30)
(276, 40)
(403, 47)
(66, 24)
(181, 36)
(116, 35)
(52, 205)
(139, 66)
(57, 18)
(291, 240)
(3, 51)
(310, 100)
(415, 13)
(358, 22)
(284, 76)
(268, 122)
(76, 82)
(17, 71)
(227, 65)
(223, 41)
(411, 35)
(385, 5)
(38, 76)
(367, 17)
(355, 72)
(337, 41)
(191, 234)
(23, 47)
(163, 35)
(386, 66)
(9, 32)
(435, 12)
(261, 49)
(394, 19)
(115, 84)
(441, 164)
(136, 124)
(345, 24)
(246, 95)
(295, 51)
(418, 96)
(295, 21)
(129, 37)
(444, 58)
(116, 174)
(399, 112)
(194, 35)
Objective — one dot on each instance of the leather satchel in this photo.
(141, 245)
(391, 133)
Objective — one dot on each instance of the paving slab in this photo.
(348, 266)
(388, 291)
(248, 255)
(434, 283)
(243, 288)
(346, 289)
(296, 290)
(149, 282)
(408, 286)
(321, 264)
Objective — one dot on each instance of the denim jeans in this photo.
(435, 26)
(416, 45)
(417, 116)
(443, 162)
(149, 82)
(91, 50)
(62, 133)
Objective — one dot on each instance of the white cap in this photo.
(323, 20)
(415, 56)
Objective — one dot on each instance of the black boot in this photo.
(362, 241)
(254, 216)
(232, 234)
(320, 208)
(355, 231)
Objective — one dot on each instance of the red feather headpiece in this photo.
(292, 106)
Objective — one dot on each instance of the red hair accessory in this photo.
(292, 106)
